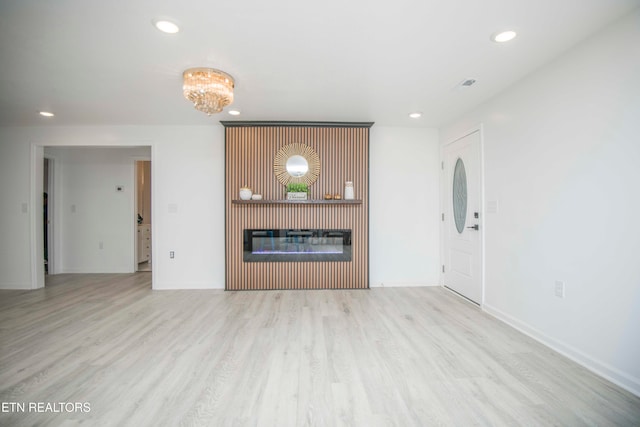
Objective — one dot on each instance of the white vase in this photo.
(348, 190)
(245, 193)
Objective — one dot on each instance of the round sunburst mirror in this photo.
(296, 163)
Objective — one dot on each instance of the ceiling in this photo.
(104, 63)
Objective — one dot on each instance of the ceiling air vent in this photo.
(467, 83)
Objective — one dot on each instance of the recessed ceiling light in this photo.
(46, 114)
(166, 26)
(503, 36)
(415, 115)
(234, 112)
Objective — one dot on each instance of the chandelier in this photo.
(210, 90)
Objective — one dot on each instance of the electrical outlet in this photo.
(172, 254)
(559, 289)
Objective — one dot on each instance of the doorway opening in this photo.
(47, 212)
(143, 215)
(84, 209)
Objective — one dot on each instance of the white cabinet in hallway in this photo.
(144, 243)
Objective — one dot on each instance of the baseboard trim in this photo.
(184, 286)
(15, 286)
(602, 369)
(94, 271)
(401, 285)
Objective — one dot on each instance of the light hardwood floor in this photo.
(402, 356)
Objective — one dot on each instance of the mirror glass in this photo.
(297, 166)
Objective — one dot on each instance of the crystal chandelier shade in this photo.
(210, 90)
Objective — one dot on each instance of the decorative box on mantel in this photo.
(296, 196)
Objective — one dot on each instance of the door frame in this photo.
(443, 200)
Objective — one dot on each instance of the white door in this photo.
(463, 217)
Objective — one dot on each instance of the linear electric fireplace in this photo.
(296, 245)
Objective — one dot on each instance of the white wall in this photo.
(188, 209)
(562, 160)
(94, 224)
(14, 215)
(404, 228)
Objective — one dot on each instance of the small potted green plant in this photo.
(297, 191)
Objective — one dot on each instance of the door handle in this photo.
(475, 227)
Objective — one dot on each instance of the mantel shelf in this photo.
(297, 202)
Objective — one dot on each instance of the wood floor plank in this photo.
(379, 357)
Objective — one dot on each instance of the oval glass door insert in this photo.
(459, 196)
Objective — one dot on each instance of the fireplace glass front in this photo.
(296, 245)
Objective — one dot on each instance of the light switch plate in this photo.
(559, 289)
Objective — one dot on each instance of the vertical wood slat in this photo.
(344, 156)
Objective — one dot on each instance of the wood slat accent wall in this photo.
(344, 156)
